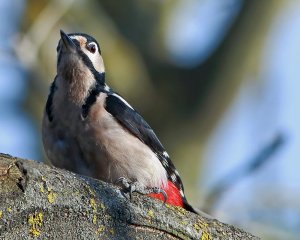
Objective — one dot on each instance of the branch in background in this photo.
(241, 172)
(28, 47)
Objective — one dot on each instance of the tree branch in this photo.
(49, 203)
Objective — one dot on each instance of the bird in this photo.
(90, 129)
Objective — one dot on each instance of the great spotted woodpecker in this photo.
(90, 129)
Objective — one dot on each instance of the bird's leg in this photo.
(131, 187)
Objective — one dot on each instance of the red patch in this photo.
(173, 195)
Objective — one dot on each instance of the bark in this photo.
(42, 202)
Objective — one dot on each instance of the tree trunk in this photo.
(42, 202)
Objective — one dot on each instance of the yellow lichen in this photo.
(204, 225)
(91, 192)
(150, 213)
(184, 223)
(178, 209)
(93, 204)
(102, 206)
(200, 225)
(205, 236)
(112, 231)
(94, 207)
(9, 209)
(94, 219)
(1, 213)
(100, 229)
(51, 196)
(35, 221)
(169, 206)
(42, 189)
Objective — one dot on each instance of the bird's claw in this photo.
(126, 186)
(159, 190)
(131, 187)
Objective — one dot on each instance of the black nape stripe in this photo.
(100, 77)
(50, 100)
(86, 60)
(93, 94)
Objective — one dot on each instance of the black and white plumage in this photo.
(91, 130)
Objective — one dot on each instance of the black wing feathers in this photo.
(133, 122)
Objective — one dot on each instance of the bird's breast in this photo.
(100, 146)
(124, 154)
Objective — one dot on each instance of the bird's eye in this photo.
(92, 47)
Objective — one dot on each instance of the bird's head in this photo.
(79, 57)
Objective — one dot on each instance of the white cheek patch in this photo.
(96, 59)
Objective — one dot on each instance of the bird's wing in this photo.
(136, 125)
(133, 122)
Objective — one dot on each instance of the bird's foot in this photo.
(131, 187)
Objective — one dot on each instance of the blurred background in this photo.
(217, 80)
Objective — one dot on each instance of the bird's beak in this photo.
(67, 41)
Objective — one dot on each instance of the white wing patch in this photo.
(166, 154)
(181, 192)
(165, 163)
(106, 88)
(173, 177)
(123, 100)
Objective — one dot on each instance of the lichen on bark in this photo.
(42, 202)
